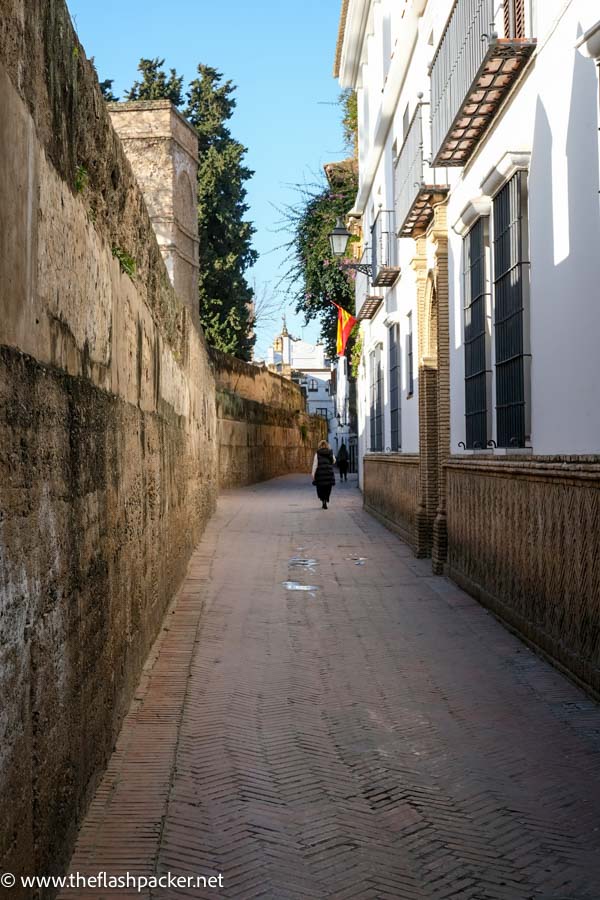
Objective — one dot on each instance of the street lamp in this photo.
(338, 241)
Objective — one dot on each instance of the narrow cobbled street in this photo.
(375, 734)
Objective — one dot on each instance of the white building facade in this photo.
(479, 428)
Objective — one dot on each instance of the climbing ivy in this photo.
(355, 355)
(349, 104)
(315, 277)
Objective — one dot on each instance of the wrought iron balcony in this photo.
(384, 250)
(472, 72)
(418, 187)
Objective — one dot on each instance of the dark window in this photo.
(395, 370)
(410, 377)
(514, 19)
(511, 296)
(322, 412)
(313, 385)
(376, 411)
(475, 280)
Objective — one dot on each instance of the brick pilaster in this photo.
(439, 236)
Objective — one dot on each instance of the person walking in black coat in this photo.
(342, 461)
(322, 472)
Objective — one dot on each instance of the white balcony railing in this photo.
(472, 71)
(384, 249)
(417, 185)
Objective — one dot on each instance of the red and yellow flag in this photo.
(346, 323)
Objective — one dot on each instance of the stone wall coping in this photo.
(178, 129)
(135, 105)
(394, 457)
(541, 468)
(225, 360)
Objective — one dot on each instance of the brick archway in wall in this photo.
(431, 267)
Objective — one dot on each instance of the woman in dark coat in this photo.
(342, 461)
(322, 472)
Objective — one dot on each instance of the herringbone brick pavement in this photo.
(380, 736)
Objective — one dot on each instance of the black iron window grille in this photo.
(395, 372)
(313, 385)
(477, 342)
(410, 376)
(511, 312)
(376, 411)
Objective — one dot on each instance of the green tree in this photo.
(155, 85)
(315, 277)
(225, 297)
(349, 104)
(106, 88)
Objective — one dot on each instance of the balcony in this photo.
(369, 308)
(472, 72)
(418, 187)
(384, 250)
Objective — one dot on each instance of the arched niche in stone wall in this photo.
(185, 202)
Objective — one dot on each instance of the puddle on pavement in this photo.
(296, 586)
(357, 560)
(301, 562)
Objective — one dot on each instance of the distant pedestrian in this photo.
(322, 472)
(342, 461)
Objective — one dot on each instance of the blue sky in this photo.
(280, 56)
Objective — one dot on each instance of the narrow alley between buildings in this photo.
(321, 717)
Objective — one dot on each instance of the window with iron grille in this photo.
(322, 412)
(376, 411)
(477, 349)
(514, 19)
(410, 378)
(395, 442)
(511, 311)
(313, 385)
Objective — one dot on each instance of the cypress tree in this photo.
(155, 85)
(106, 88)
(225, 297)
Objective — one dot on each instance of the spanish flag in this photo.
(346, 323)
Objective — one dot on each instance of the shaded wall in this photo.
(107, 436)
(524, 538)
(391, 492)
(263, 427)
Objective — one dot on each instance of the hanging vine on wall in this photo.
(356, 354)
(315, 277)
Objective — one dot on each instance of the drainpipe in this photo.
(589, 46)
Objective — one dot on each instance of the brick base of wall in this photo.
(524, 539)
(391, 493)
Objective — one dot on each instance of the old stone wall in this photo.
(255, 382)
(391, 492)
(263, 427)
(162, 148)
(107, 435)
